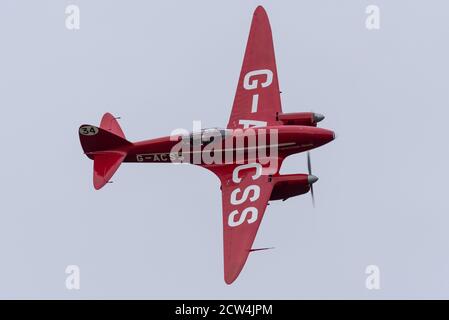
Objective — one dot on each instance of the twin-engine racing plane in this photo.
(246, 156)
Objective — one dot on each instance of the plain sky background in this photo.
(156, 232)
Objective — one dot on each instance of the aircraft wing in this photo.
(246, 190)
(257, 99)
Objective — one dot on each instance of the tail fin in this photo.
(106, 145)
(109, 123)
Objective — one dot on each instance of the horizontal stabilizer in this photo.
(109, 123)
(105, 165)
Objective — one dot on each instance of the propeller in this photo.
(311, 179)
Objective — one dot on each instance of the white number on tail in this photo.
(88, 130)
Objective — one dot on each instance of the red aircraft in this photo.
(238, 155)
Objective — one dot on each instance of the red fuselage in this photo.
(290, 139)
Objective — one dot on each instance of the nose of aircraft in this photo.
(323, 136)
(308, 136)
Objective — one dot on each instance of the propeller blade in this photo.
(313, 180)
(313, 196)
(309, 164)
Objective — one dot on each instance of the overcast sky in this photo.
(156, 232)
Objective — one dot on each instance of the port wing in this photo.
(257, 99)
(246, 190)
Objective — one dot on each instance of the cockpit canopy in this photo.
(209, 134)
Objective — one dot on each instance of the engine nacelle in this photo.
(300, 118)
(291, 185)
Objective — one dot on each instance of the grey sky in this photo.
(156, 232)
